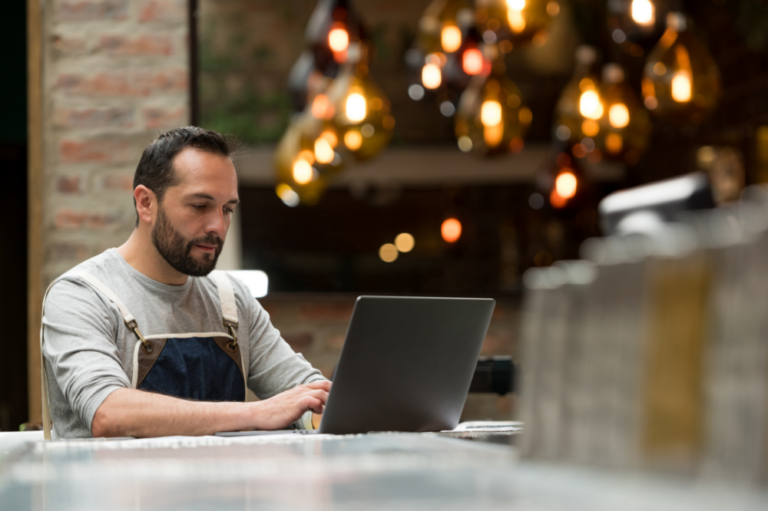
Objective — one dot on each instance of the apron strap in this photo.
(227, 297)
(127, 316)
(47, 425)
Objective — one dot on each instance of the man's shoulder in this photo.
(243, 294)
(102, 266)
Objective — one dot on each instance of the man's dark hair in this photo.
(155, 169)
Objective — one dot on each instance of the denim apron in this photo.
(202, 366)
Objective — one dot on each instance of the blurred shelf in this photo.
(428, 167)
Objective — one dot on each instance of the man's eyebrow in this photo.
(205, 196)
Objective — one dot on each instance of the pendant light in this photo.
(579, 109)
(491, 117)
(625, 128)
(330, 30)
(681, 82)
(630, 21)
(362, 114)
(442, 37)
(517, 21)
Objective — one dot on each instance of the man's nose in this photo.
(217, 224)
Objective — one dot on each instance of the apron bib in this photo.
(202, 366)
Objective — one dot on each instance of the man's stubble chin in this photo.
(177, 251)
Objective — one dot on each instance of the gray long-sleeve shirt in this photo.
(88, 349)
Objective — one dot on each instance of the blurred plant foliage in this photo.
(752, 20)
(253, 117)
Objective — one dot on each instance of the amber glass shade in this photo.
(362, 116)
(570, 123)
(681, 82)
(517, 21)
(443, 25)
(625, 128)
(491, 118)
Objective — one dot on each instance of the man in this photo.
(144, 340)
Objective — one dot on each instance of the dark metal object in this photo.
(495, 375)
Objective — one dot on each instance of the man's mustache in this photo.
(211, 239)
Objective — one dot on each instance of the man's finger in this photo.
(324, 385)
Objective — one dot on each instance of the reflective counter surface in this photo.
(366, 472)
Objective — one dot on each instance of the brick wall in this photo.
(116, 74)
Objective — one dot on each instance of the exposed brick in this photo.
(69, 184)
(158, 117)
(299, 341)
(122, 182)
(69, 250)
(135, 83)
(141, 45)
(68, 45)
(111, 117)
(100, 151)
(93, 10)
(163, 10)
(69, 219)
(326, 311)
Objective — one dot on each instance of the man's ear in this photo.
(145, 203)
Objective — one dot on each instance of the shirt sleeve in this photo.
(274, 367)
(79, 344)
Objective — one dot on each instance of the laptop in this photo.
(406, 365)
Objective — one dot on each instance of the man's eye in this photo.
(228, 211)
(199, 207)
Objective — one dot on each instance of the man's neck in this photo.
(142, 255)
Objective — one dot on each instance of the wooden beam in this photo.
(35, 202)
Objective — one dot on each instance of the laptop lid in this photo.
(406, 364)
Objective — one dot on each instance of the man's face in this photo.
(194, 216)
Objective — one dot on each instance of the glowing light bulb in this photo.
(307, 156)
(353, 140)
(330, 137)
(356, 108)
(404, 242)
(451, 230)
(614, 143)
(388, 252)
(566, 184)
(323, 151)
(681, 87)
(643, 12)
(431, 76)
(287, 195)
(516, 5)
(450, 38)
(472, 61)
(322, 108)
(490, 113)
(618, 116)
(302, 172)
(338, 39)
(590, 128)
(590, 105)
(516, 21)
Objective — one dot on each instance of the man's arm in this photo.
(131, 412)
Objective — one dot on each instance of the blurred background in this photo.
(421, 147)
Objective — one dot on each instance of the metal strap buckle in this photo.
(231, 325)
(135, 327)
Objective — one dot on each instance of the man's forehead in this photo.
(192, 165)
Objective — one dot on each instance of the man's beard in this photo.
(175, 249)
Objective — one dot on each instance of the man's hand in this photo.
(286, 408)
